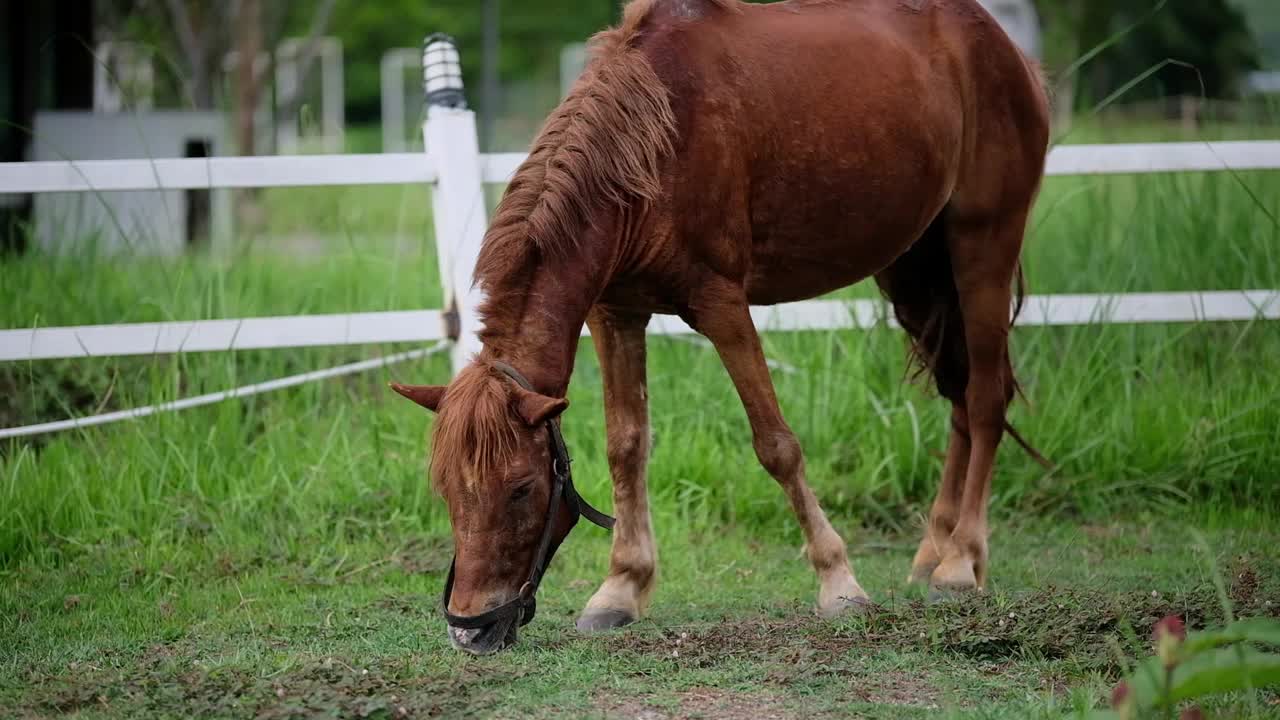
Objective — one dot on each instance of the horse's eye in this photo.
(521, 492)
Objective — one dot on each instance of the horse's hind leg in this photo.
(984, 251)
(624, 595)
(921, 286)
(946, 506)
(724, 317)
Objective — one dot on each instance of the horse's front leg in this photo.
(724, 317)
(633, 561)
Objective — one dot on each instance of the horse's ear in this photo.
(537, 409)
(428, 396)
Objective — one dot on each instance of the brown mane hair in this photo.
(604, 144)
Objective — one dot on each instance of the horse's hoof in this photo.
(594, 621)
(846, 606)
(953, 579)
(940, 594)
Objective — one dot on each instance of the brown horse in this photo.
(717, 155)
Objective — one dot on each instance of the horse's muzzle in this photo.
(486, 640)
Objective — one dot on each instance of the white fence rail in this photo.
(459, 230)
(457, 172)
(418, 326)
(1163, 158)
(221, 335)
(223, 172)
(417, 168)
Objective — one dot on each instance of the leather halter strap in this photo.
(523, 606)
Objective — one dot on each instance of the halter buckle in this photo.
(527, 590)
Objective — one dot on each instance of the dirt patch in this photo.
(881, 688)
(711, 645)
(1049, 624)
(898, 688)
(1249, 592)
(167, 681)
(702, 703)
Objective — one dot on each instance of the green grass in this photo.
(198, 629)
(257, 552)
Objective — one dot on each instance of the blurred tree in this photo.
(532, 36)
(1264, 19)
(1210, 35)
(193, 37)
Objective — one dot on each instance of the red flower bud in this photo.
(1119, 694)
(1168, 635)
(1170, 625)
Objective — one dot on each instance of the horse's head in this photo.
(494, 459)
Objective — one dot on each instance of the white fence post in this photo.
(394, 62)
(458, 201)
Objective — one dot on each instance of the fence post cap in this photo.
(442, 72)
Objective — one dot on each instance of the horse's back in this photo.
(829, 132)
(884, 74)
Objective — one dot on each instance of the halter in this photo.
(523, 606)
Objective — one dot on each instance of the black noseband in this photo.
(523, 607)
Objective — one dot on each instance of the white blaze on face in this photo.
(471, 484)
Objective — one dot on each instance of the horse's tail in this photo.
(922, 288)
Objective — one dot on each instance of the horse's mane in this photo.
(603, 146)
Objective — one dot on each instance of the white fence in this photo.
(456, 171)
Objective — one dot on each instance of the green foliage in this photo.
(1209, 41)
(1210, 35)
(1198, 668)
(532, 35)
(1264, 18)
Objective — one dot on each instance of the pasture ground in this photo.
(126, 630)
(281, 556)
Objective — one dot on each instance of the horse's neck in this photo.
(533, 319)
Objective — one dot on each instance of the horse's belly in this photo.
(830, 239)
(779, 280)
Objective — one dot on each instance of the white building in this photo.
(1020, 20)
(163, 222)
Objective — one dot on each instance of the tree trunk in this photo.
(492, 16)
(306, 60)
(248, 90)
(195, 33)
(201, 84)
(248, 86)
